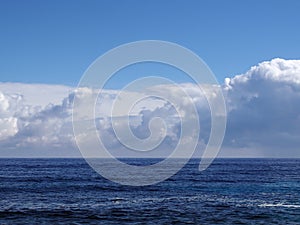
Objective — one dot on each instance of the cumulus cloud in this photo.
(263, 115)
(32, 125)
(264, 110)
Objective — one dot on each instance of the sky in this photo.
(54, 42)
(252, 47)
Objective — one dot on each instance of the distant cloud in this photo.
(38, 124)
(264, 109)
(263, 115)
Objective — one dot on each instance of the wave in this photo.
(279, 205)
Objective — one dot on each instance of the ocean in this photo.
(230, 191)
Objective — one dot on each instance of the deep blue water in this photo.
(230, 191)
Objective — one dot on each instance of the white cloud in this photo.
(8, 127)
(263, 115)
(28, 121)
(37, 94)
(264, 110)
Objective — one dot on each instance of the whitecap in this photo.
(279, 205)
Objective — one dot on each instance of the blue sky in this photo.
(55, 41)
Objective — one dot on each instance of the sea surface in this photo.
(230, 191)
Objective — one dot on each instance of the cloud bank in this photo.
(263, 115)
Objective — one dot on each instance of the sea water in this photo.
(230, 191)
